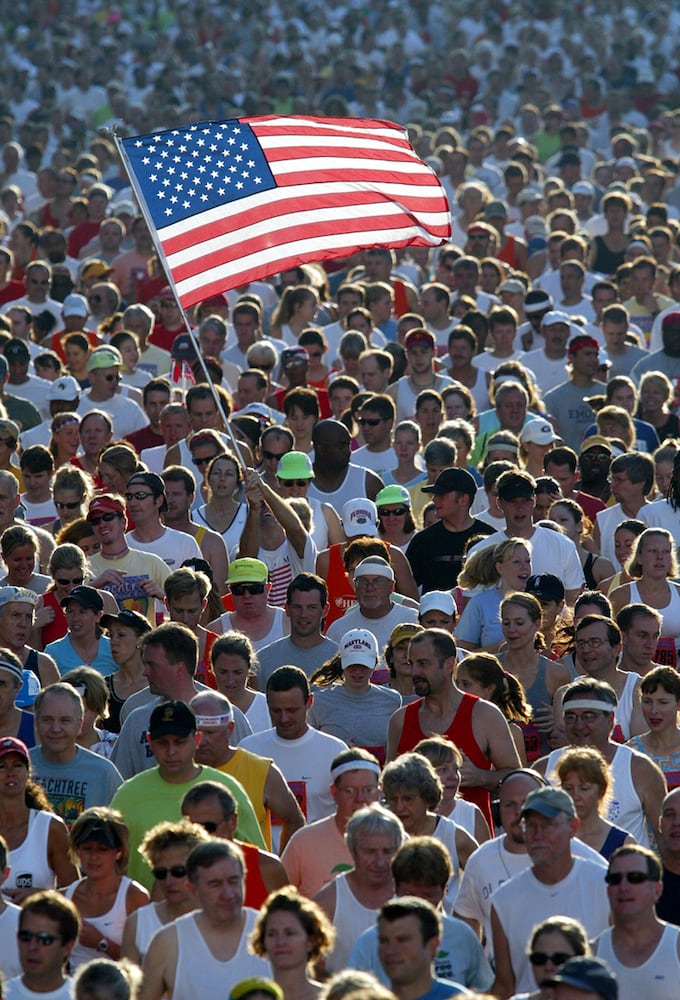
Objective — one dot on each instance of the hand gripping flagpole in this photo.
(171, 282)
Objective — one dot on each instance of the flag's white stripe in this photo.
(288, 124)
(300, 142)
(320, 190)
(270, 257)
(347, 163)
(298, 218)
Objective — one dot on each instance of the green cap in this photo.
(295, 465)
(393, 494)
(104, 357)
(248, 571)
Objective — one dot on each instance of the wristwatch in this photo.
(103, 945)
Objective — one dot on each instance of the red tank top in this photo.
(57, 628)
(459, 732)
(340, 591)
(255, 890)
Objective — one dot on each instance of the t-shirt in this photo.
(284, 651)
(572, 415)
(137, 566)
(15, 990)
(315, 854)
(436, 554)
(66, 658)
(550, 553)
(84, 781)
(380, 627)
(147, 799)
(357, 719)
(125, 414)
(173, 546)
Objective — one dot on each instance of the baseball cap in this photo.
(420, 337)
(513, 285)
(17, 595)
(514, 486)
(671, 319)
(583, 187)
(548, 802)
(104, 357)
(393, 494)
(358, 647)
(374, 566)
(295, 465)
(495, 210)
(96, 830)
(256, 984)
(596, 441)
(105, 504)
(591, 975)
(29, 690)
(360, 517)
(16, 350)
(545, 586)
(132, 619)
(172, 718)
(166, 294)
(75, 305)
(155, 484)
(95, 269)
(248, 570)
(537, 432)
(293, 355)
(437, 600)
(86, 597)
(555, 316)
(8, 429)
(405, 630)
(64, 387)
(452, 481)
(213, 302)
(10, 744)
(528, 194)
(12, 668)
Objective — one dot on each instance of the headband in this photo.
(599, 706)
(355, 765)
(214, 720)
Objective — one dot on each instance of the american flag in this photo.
(240, 200)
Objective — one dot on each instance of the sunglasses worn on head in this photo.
(137, 496)
(634, 878)
(63, 505)
(69, 583)
(542, 958)
(239, 589)
(111, 516)
(177, 871)
(392, 511)
(42, 937)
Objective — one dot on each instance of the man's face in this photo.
(595, 652)
(518, 513)
(603, 297)
(18, 370)
(614, 335)
(373, 377)
(213, 747)
(179, 501)
(353, 790)
(419, 358)
(211, 341)
(41, 963)
(110, 236)
(378, 267)
(186, 609)
(595, 463)
(467, 277)
(105, 381)
(346, 302)
(642, 282)
(208, 813)
(556, 336)
(38, 284)
(375, 428)
(628, 900)
(587, 727)
(372, 857)
(669, 824)
(641, 639)
(670, 334)
(203, 414)
(219, 891)
(429, 672)
(624, 490)
(59, 723)
(155, 401)
(433, 308)
(503, 335)
(288, 712)
(403, 954)
(94, 434)
(563, 475)
(272, 448)
(158, 669)
(373, 593)
(174, 755)
(446, 272)
(37, 484)
(332, 446)
(511, 410)
(20, 324)
(142, 505)
(248, 391)
(460, 352)
(585, 361)
(174, 427)
(246, 328)
(306, 613)
(511, 799)
(16, 622)
(547, 839)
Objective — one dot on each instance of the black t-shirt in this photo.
(436, 554)
(668, 903)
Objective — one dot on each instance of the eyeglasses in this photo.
(352, 791)
(166, 304)
(633, 878)
(271, 456)
(105, 517)
(295, 482)
(112, 378)
(370, 421)
(542, 957)
(239, 589)
(586, 717)
(42, 937)
(177, 871)
(202, 461)
(593, 643)
(392, 511)
(209, 826)
(63, 505)
(37, 281)
(137, 496)
(68, 583)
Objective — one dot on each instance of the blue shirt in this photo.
(66, 658)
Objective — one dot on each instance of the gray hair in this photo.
(373, 819)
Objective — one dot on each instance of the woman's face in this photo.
(231, 674)
(623, 544)
(286, 941)
(300, 423)
(113, 480)
(69, 504)
(449, 775)
(66, 579)
(408, 806)
(20, 564)
(97, 860)
(13, 771)
(89, 545)
(660, 709)
(82, 622)
(466, 682)
(306, 310)
(555, 948)
(663, 475)
(124, 643)
(223, 479)
(652, 397)
(76, 357)
(586, 794)
(405, 445)
(624, 396)
(356, 677)
(654, 557)
(174, 889)
(392, 517)
(518, 626)
(67, 438)
(564, 517)
(130, 354)
(400, 661)
(514, 568)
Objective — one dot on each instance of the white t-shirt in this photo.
(550, 553)
(549, 373)
(173, 546)
(127, 417)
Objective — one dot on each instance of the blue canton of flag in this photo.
(185, 171)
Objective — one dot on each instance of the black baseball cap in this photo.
(172, 718)
(132, 619)
(452, 481)
(155, 484)
(591, 975)
(86, 597)
(545, 586)
(510, 487)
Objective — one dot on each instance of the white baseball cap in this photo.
(360, 517)
(358, 647)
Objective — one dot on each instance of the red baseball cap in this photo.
(105, 504)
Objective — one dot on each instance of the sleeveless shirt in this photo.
(30, 868)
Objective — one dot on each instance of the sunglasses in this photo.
(369, 422)
(42, 937)
(63, 505)
(295, 482)
(271, 456)
(111, 516)
(177, 871)
(633, 878)
(198, 462)
(392, 512)
(69, 583)
(137, 496)
(210, 826)
(542, 957)
(112, 378)
(239, 589)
